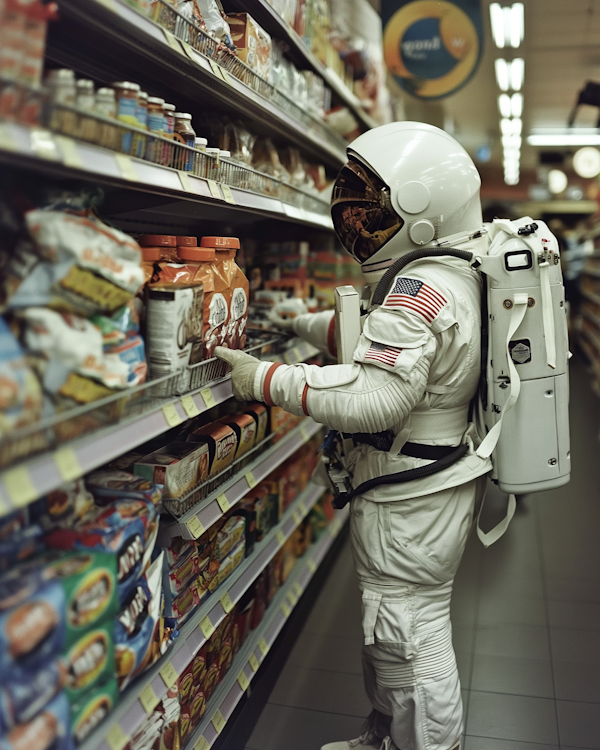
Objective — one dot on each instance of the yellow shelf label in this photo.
(302, 507)
(312, 566)
(207, 627)
(149, 699)
(280, 537)
(218, 721)
(253, 662)
(116, 738)
(126, 167)
(292, 598)
(251, 479)
(189, 406)
(286, 610)
(208, 398)
(7, 142)
(171, 415)
(223, 503)
(70, 154)
(186, 183)
(68, 464)
(43, 145)
(172, 41)
(298, 589)
(226, 602)
(201, 743)
(244, 681)
(195, 527)
(228, 195)
(297, 518)
(304, 433)
(169, 674)
(215, 190)
(19, 486)
(263, 646)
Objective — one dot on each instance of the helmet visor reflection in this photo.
(362, 218)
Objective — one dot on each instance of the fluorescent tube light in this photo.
(504, 105)
(516, 105)
(497, 22)
(502, 74)
(517, 74)
(564, 139)
(517, 24)
(517, 126)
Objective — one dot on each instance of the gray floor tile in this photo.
(579, 724)
(512, 717)
(581, 646)
(576, 615)
(332, 692)
(284, 728)
(329, 652)
(513, 611)
(573, 589)
(481, 743)
(577, 682)
(463, 637)
(501, 674)
(517, 641)
(464, 661)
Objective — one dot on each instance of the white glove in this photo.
(243, 371)
(293, 306)
(284, 324)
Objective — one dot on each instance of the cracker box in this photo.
(252, 42)
(179, 466)
(260, 414)
(244, 427)
(221, 440)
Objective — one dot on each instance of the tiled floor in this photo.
(526, 619)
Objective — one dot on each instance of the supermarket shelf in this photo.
(119, 43)
(130, 713)
(591, 297)
(297, 50)
(30, 479)
(229, 693)
(41, 150)
(296, 354)
(591, 272)
(193, 523)
(592, 318)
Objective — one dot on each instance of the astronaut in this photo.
(405, 399)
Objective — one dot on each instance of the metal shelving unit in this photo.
(130, 712)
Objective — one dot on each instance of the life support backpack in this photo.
(522, 406)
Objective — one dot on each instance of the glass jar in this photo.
(156, 124)
(126, 94)
(106, 106)
(213, 163)
(141, 113)
(184, 133)
(62, 93)
(169, 110)
(85, 101)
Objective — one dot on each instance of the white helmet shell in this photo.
(433, 187)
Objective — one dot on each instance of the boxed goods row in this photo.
(177, 716)
(88, 601)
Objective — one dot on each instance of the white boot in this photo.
(366, 741)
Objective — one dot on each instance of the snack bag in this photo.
(84, 266)
(50, 728)
(66, 504)
(91, 708)
(26, 692)
(107, 485)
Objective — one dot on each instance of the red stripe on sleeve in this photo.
(331, 338)
(267, 384)
(304, 400)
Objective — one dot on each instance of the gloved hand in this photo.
(284, 324)
(292, 306)
(243, 370)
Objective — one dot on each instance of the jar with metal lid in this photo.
(141, 113)
(62, 94)
(213, 163)
(169, 110)
(85, 101)
(126, 94)
(106, 106)
(184, 133)
(156, 124)
(200, 146)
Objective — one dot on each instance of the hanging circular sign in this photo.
(431, 47)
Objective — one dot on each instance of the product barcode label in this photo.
(263, 646)
(201, 743)
(67, 463)
(253, 662)
(195, 527)
(218, 721)
(208, 398)
(226, 602)
(169, 674)
(223, 503)
(250, 478)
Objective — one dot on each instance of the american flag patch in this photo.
(417, 296)
(381, 353)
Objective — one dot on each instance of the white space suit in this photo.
(416, 369)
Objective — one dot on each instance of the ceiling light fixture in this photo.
(516, 105)
(497, 21)
(517, 24)
(508, 24)
(586, 162)
(503, 69)
(557, 181)
(571, 138)
(504, 105)
(517, 73)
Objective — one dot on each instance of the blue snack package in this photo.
(32, 620)
(48, 730)
(27, 692)
(107, 485)
(20, 546)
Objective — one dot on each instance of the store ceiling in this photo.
(561, 51)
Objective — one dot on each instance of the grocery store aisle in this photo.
(526, 618)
